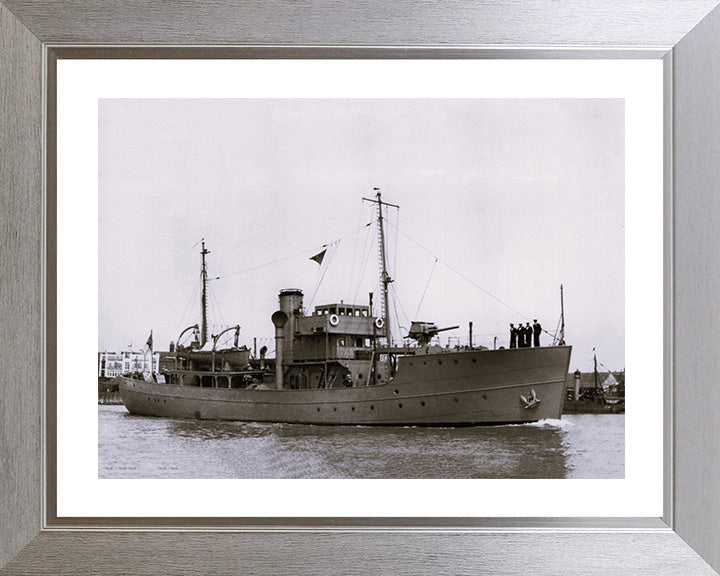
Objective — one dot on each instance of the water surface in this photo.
(578, 446)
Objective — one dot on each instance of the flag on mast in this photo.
(149, 342)
(319, 256)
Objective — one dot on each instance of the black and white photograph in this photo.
(361, 288)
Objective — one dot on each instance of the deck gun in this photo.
(424, 332)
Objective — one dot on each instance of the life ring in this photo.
(334, 320)
(379, 322)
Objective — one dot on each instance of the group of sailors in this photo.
(525, 336)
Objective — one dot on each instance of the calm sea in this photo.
(578, 446)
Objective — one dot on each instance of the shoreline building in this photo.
(112, 364)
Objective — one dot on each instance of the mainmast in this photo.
(384, 276)
(203, 330)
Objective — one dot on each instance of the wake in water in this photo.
(545, 423)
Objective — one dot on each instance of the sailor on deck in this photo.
(521, 336)
(537, 329)
(513, 336)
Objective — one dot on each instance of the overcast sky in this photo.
(512, 197)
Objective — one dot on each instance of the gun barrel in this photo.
(448, 328)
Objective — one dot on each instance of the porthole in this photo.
(372, 407)
(455, 361)
(484, 396)
(439, 361)
(400, 405)
(396, 392)
(410, 363)
(422, 403)
(456, 400)
(318, 409)
(353, 408)
(334, 408)
(474, 360)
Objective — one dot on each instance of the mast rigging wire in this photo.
(219, 315)
(351, 276)
(367, 251)
(192, 299)
(297, 255)
(465, 277)
(417, 312)
(557, 331)
(397, 302)
(395, 250)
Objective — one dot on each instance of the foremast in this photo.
(385, 278)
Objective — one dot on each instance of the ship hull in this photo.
(446, 389)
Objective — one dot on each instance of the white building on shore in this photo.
(111, 364)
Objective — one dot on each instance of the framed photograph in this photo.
(250, 181)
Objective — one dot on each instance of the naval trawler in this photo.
(337, 365)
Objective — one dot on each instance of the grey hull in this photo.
(451, 389)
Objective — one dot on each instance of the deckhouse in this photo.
(336, 333)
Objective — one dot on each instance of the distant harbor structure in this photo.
(595, 392)
(112, 364)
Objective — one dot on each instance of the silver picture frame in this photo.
(684, 34)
